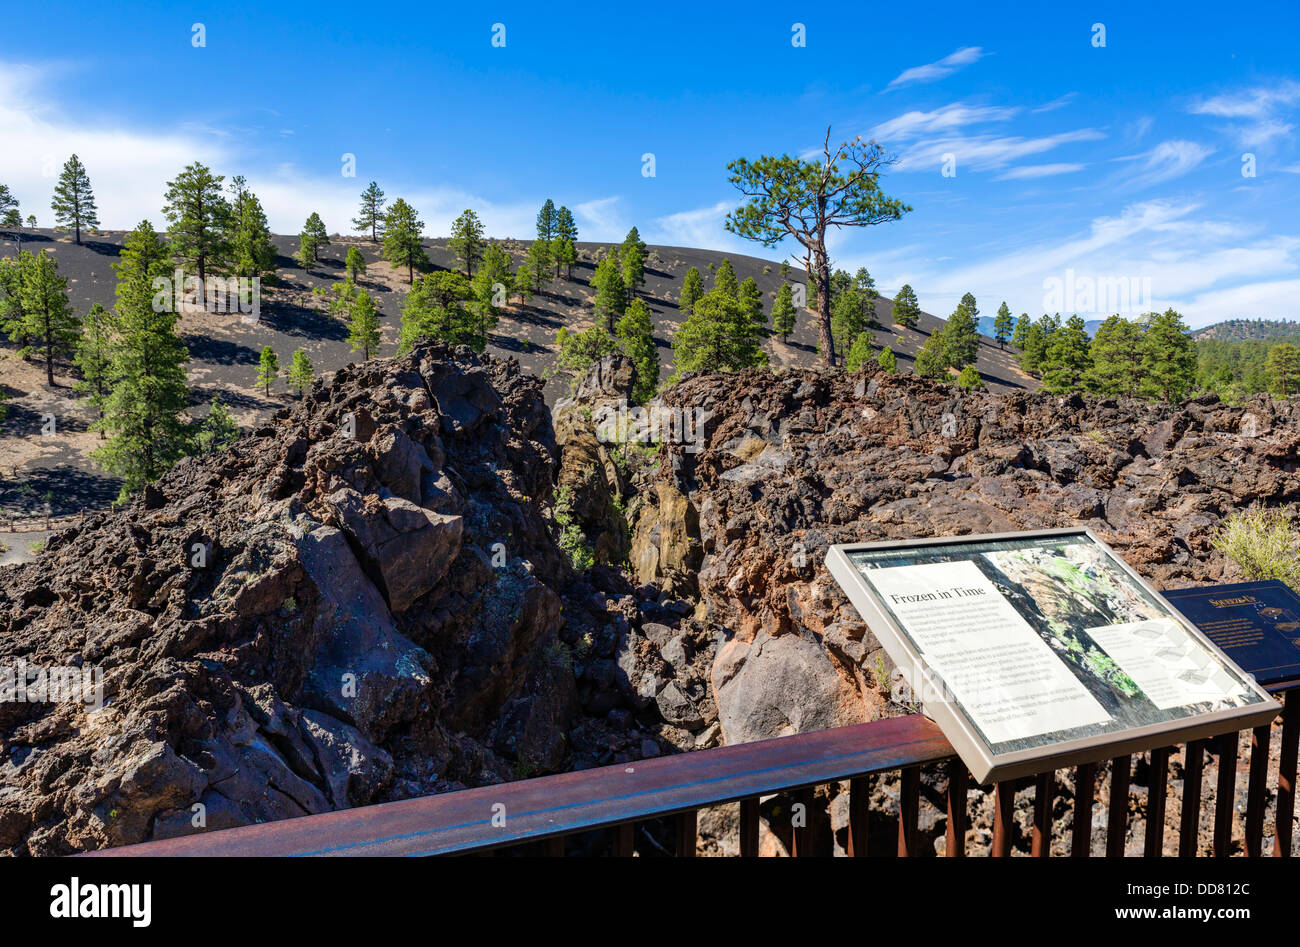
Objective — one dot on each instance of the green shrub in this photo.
(1265, 544)
(859, 353)
(970, 378)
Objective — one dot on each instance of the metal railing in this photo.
(542, 813)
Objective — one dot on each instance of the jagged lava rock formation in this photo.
(357, 602)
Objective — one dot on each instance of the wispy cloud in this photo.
(698, 227)
(1030, 171)
(984, 152)
(934, 71)
(957, 115)
(1255, 114)
(1166, 161)
(600, 219)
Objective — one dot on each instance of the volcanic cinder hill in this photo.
(38, 471)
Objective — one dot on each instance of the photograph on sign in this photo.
(1040, 641)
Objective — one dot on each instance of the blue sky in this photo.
(1121, 162)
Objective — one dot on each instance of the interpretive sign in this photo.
(1043, 649)
(1257, 624)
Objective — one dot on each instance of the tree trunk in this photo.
(78, 231)
(823, 277)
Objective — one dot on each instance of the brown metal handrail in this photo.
(546, 810)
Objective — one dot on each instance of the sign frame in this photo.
(985, 765)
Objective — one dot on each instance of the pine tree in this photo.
(578, 351)
(252, 254)
(906, 310)
(493, 276)
(969, 377)
(523, 284)
(539, 263)
(317, 234)
(611, 292)
(692, 289)
(1168, 357)
(94, 359)
(547, 221)
(1037, 339)
(145, 412)
(633, 263)
(268, 368)
(198, 219)
(403, 231)
(372, 215)
(866, 286)
(467, 240)
(718, 336)
(436, 310)
(354, 263)
(1066, 362)
(1002, 325)
(301, 372)
(635, 333)
(74, 201)
(12, 322)
(1283, 367)
(1021, 331)
(1116, 358)
(363, 326)
(859, 353)
(751, 297)
(565, 228)
(848, 318)
(725, 279)
(783, 312)
(48, 319)
(887, 360)
(566, 255)
(961, 335)
(932, 359)
(217, 431)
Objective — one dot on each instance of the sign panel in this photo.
(1043, 649)
(1257, 624)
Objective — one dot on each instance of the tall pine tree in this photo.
(467, 240)
(48, 319)
(371, 217)
(144, 415)
(198, 219)
(1168, 358)
(403, 231)
(906, 310)
(74, 201)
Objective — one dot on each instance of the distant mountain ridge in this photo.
(1242, 330)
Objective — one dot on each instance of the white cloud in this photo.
(1038, 171)
(700, 227)
(600, 220)
(914, 124)
(932, 72)
(984, 152)
(1259, 102)
(1254, 113)
(1166, 161)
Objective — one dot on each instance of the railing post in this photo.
(1257, 790)
(1085, 783)
(1117, 813)
(1286, 772)
(804, 834)
(958, 784)
(749, 828)
(909, 792)
(1225, 794)
(687, 823)
(1190, 825)
(859, 815)
(1041, 846)
(1156, 790)
(1004, 801)
(624, 839)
